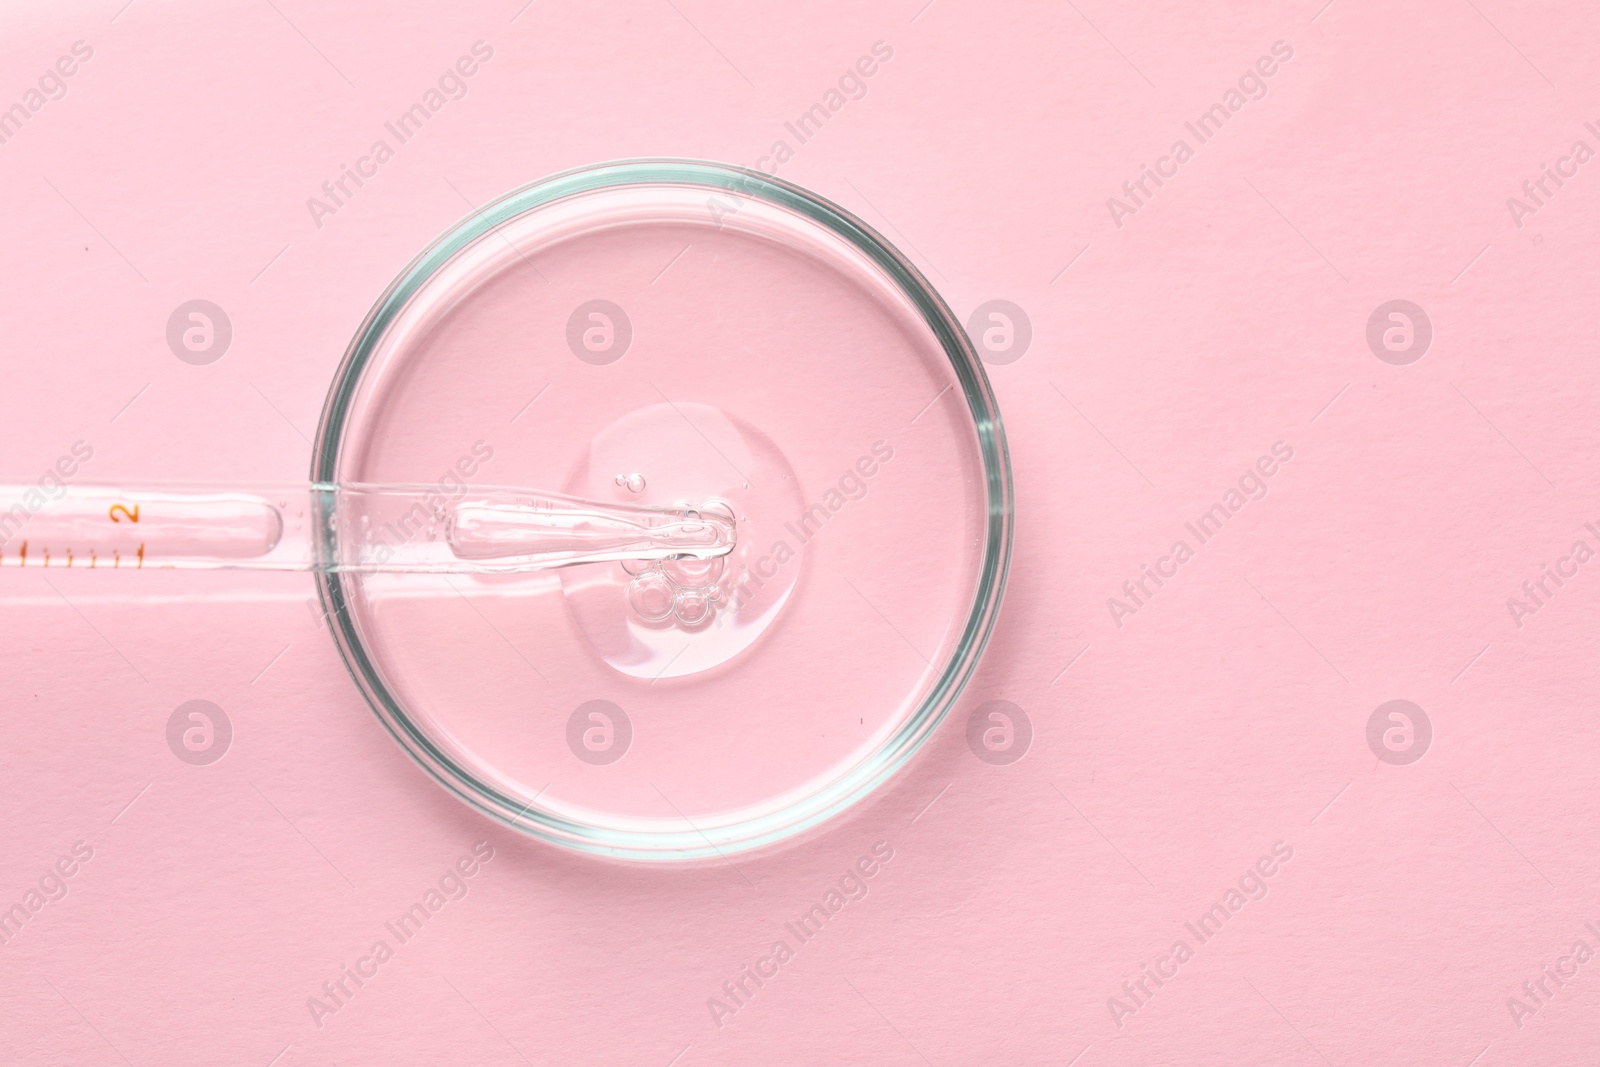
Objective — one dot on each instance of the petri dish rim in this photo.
(678, 845)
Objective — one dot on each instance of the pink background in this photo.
(1168, 354)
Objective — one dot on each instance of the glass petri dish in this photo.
(672, 332)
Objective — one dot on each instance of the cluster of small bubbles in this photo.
(633, 483)
(681, 587)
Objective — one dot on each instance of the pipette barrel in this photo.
(348, 527)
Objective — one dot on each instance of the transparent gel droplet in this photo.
(705, 460)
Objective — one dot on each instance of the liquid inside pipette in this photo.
(354, 527)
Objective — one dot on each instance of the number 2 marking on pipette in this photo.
(132, 515)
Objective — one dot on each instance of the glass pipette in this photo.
(357, 527)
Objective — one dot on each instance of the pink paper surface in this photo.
(1187, 737)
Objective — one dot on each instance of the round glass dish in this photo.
(674, 332)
